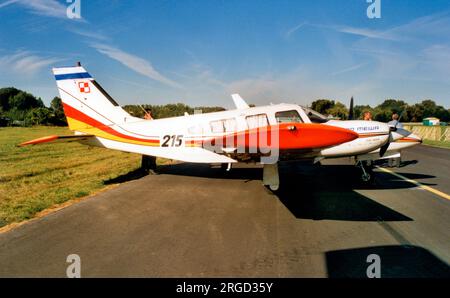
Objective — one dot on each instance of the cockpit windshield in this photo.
(314, 116)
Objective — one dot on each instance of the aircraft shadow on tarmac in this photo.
(396, 261)
(329, 192)
(308, 191)
(130, 176)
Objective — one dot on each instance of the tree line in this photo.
(168, 110)
(383, 112)
(21, 108)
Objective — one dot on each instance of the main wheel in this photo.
(274, 187)
(366, 177)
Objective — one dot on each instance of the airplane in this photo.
(266, 134)
(263, 134)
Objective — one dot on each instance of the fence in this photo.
(432, 133)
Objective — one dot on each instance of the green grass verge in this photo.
(38, 177)
(441, 144)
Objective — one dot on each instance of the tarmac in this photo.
(193, 220)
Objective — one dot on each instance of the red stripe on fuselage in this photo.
(77, 115)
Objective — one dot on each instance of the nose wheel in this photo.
(367, 175)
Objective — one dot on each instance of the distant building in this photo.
(431, 121)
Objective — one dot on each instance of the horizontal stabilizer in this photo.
(54, 139)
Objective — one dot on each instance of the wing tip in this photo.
(39, 141)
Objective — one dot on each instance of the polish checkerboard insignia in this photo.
(84, 87)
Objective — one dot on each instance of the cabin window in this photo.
(217, 126)
(195, 130)
(225, 125)
(230, 125)
(288, 117)
(256, 121)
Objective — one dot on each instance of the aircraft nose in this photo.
(315, 136)
(415, 137)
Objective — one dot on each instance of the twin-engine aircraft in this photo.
(266, 134)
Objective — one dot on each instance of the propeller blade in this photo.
(384, 148)
(399, 117)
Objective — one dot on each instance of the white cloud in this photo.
(135, 63)
(6, 3)
(387, 35)
(349, 69)
(89, 34)
(26, 63)
(294, 29)
(49, 8)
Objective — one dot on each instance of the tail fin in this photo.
(86, 103)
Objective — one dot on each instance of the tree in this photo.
(393, 105)
(25, 101)
(5, 95)
(338, 110)
(39, 116)
(59, 118)
(322, 105)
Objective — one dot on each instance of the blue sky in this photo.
(199, 52)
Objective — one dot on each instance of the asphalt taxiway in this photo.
(192, 221)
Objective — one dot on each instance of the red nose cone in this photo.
(289, 136)
(304, 136)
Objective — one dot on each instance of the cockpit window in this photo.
(288, 117)
(314, 116)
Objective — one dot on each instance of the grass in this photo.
(441, 144)
(35, 178)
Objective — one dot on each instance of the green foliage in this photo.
(24, 101)
(322, 105)
(19, 108)
(383, 112)
(58, 118)
(338, 110)
(169, 110)
(39, 116)
(5, 95)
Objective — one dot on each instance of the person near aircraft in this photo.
(148, 163)
(395, 121)
(392, 162)
(148, 114)
(367, 116)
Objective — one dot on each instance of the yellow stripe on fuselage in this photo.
(86, 128)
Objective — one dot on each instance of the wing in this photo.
(56, 139)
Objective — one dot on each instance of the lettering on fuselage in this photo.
(365, 128)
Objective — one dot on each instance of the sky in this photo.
(199, 52)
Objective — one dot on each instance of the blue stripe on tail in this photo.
(69, 76)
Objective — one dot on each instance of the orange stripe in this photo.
(92, 123)
(368, 135)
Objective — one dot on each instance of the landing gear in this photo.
(271, 177)
(148, 164)
(367, 175)
(226, 167)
